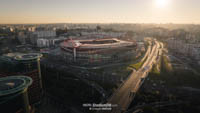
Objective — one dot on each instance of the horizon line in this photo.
(100, 23)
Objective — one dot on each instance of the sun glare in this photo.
(161, 3)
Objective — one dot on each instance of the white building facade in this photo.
(42, 34)
(186, 49)
(45, 42)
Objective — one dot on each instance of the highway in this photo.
(126, 93)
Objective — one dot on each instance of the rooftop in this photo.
(30, 56)
(22, 56)
(14, 84)
(96, 43)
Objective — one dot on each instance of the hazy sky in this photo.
(100, 11)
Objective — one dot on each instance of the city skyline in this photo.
(99, 11)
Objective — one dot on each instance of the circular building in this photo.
(97, 51)
(13, 94)
(24, 64)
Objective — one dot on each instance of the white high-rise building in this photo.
(45, 42)
(45, 34)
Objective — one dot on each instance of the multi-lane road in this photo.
(125, 94)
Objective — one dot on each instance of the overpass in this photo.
(126, 93)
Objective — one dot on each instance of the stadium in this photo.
(94, 52)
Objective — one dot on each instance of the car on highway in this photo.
(131, 94)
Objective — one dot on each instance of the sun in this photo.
(161, 3)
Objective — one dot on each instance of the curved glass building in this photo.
(24, 64)
(14, 95)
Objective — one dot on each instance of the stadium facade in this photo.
(91, 52)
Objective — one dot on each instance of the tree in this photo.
(98, 28)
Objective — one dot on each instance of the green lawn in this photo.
(166, 64)
(155, 70)
(174, 77)
(3, 34)
(137, 65)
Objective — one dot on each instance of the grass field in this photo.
(137, 65)
(174, 77)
